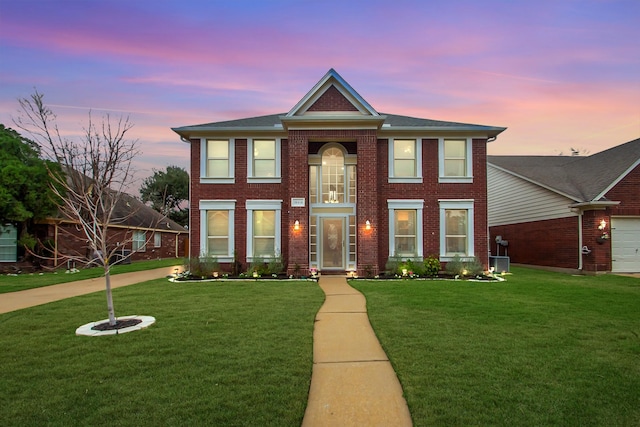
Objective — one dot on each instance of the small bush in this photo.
(455, 267)
(393, 265)
(276, 265)
(431, 266)
(474, 267)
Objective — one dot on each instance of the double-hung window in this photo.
(157, 239)
(139, 242)
(456, 229)
(405, 228)
(216, 229)
(405, 160)
(263, 228)
(455, 160)
(263, 160)
(217, 164)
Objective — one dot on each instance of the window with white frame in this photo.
(263, 228)
(263, 160)
(216, 229)
(157, 240)
(405, 228)
(217, 161)
(455, 160)
(405, 160)
(139, 242)
(456, 229)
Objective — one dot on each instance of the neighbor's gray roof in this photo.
(584, 178)
(273, 121)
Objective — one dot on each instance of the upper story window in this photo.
(332, 177)
(263, 160)
(455, 160)
(217, 164)
(405, 160)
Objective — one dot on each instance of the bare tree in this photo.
(96, 169)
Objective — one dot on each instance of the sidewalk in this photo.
(353, 382)
(22, 299)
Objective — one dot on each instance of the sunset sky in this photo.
(557, 73)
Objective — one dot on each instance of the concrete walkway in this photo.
(353, 383)
(22, 299)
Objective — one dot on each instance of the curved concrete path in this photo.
(353, 383)
(22, 299)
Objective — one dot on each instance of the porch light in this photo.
(296, 225)
(603, 225)
(367, 225)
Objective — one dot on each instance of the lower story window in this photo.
(216, 229)
(217, 233)
(263, 228)
(405, 232)
(157, 240)
(456, 228)
(405, 228)
(139, 241)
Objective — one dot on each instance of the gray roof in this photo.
(273, 121)
(583, 178)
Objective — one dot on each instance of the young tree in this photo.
(25, 185)
(166, 192)
(95, 169)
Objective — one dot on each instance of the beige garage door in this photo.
(625, 245)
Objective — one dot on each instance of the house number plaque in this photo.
(297, 202)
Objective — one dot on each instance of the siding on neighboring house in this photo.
(515, 200)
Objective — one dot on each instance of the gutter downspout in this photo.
(580, 254)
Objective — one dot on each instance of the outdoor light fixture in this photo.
(367, 225)
(296, 225)
(604, 236)
(603, 225)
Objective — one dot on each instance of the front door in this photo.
(332, 251)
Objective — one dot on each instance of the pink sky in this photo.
(557, 73)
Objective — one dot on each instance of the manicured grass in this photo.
(20, 282)
(539, 349)
(226, 354)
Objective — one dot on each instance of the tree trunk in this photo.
(107, 278)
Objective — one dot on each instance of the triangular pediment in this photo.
(332, 95)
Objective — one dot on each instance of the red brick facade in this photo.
(331, 117)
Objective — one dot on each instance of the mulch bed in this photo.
(120, 324)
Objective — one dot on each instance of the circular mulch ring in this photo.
(123, 325)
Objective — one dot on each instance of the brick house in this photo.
(572, 212)
(334, 185)
(137, 230)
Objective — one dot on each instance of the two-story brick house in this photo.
(336, 186)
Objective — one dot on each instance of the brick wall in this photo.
(552, 243)
(332, 100)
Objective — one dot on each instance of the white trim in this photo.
(266, 205)
(418, 161)
(217, 205)
(467, 204)
(617, 180)
(277, 179)
(406, 204)
(204, 179)
(468, 177)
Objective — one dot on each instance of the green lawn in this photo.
(225, 354)
(19, 282)
(539, 349)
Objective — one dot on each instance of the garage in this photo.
(625, 244)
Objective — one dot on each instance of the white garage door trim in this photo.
(625, 244)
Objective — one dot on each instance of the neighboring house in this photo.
(334, 185)
(580, 213)
(137, 230)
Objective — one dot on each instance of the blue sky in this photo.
(556, 73)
